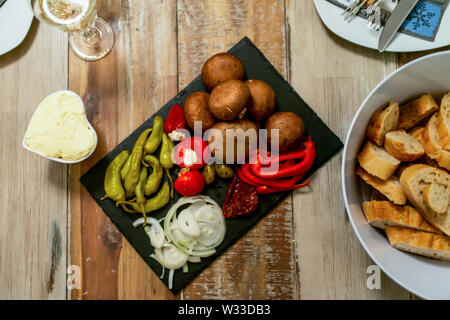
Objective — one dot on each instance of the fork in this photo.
(374, 20)
(375, 13)
(353, 12)
(352, 5)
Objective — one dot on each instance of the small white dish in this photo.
(16, 17)
(426, 278)
(59, 159)
(356, 31)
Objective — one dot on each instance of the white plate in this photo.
(357, 32)
(427, 278)
(16, 17)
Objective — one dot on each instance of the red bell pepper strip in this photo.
(244, 178)
(175, 120)
(293, 155)
(247, 175)
(267, 189)
(298, 169)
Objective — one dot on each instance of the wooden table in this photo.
(305, 249)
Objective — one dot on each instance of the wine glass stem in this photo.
(90, 36)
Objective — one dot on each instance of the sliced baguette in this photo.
(415, 111)
(381, 122)
(443, 123)
(432, 145)
(444, 160)
(390, 188)
(414, 180)
(417, 133)
(403, 146)
(436, 198)
(377, 161)
(381, 214)
(422, 243)
(430, 135)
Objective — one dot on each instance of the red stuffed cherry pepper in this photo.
(190, 153)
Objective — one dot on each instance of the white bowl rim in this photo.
(344, 153)
(59, 159)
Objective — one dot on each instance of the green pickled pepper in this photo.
(155, 203)
(125, 169)
(112, 183)
(154, 179)
(165, 158)
(132, 177)
(155, 138)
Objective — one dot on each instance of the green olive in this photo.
(209, 174)
(224, 171)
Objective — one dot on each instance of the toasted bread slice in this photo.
(381, 214)
(377, 161)
(443, 123)
(436, 198)
(444, 160)
(391, 188)
(426, 244)
(381, 122)
(430, 135)
(414, 180)
(415, 111)
(417, 133)
(432, 145)
(403, 146)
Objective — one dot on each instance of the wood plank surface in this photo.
(333, 76)
(305, 249)
(120, 92)
(261, 265)
(33, 222)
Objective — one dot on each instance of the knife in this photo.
(2, 2)
(395, 21)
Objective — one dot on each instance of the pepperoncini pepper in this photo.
(165, 158)
(154, 179)
(155, 138)
(132, 177)
(113, 185)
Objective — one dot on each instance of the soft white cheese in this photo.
(59, 128)
(189, 157)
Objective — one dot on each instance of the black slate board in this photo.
(256, 66)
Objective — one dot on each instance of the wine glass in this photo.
(90, 37)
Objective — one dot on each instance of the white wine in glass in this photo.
(90, 37)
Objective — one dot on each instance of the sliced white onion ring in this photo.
(210, 219)
(153, 230)
(210, 214)
(211, 235)
(187, 223)
(171, 273)
(194, 259)
(170, 257)
(156, 234)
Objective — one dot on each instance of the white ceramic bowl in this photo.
(59, 159)
(427, 278)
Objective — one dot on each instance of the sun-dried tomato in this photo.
(241, 199)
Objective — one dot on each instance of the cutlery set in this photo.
(395, 11)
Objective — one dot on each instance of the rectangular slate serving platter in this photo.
(257, 67)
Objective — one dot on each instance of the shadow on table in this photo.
(23, 48)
